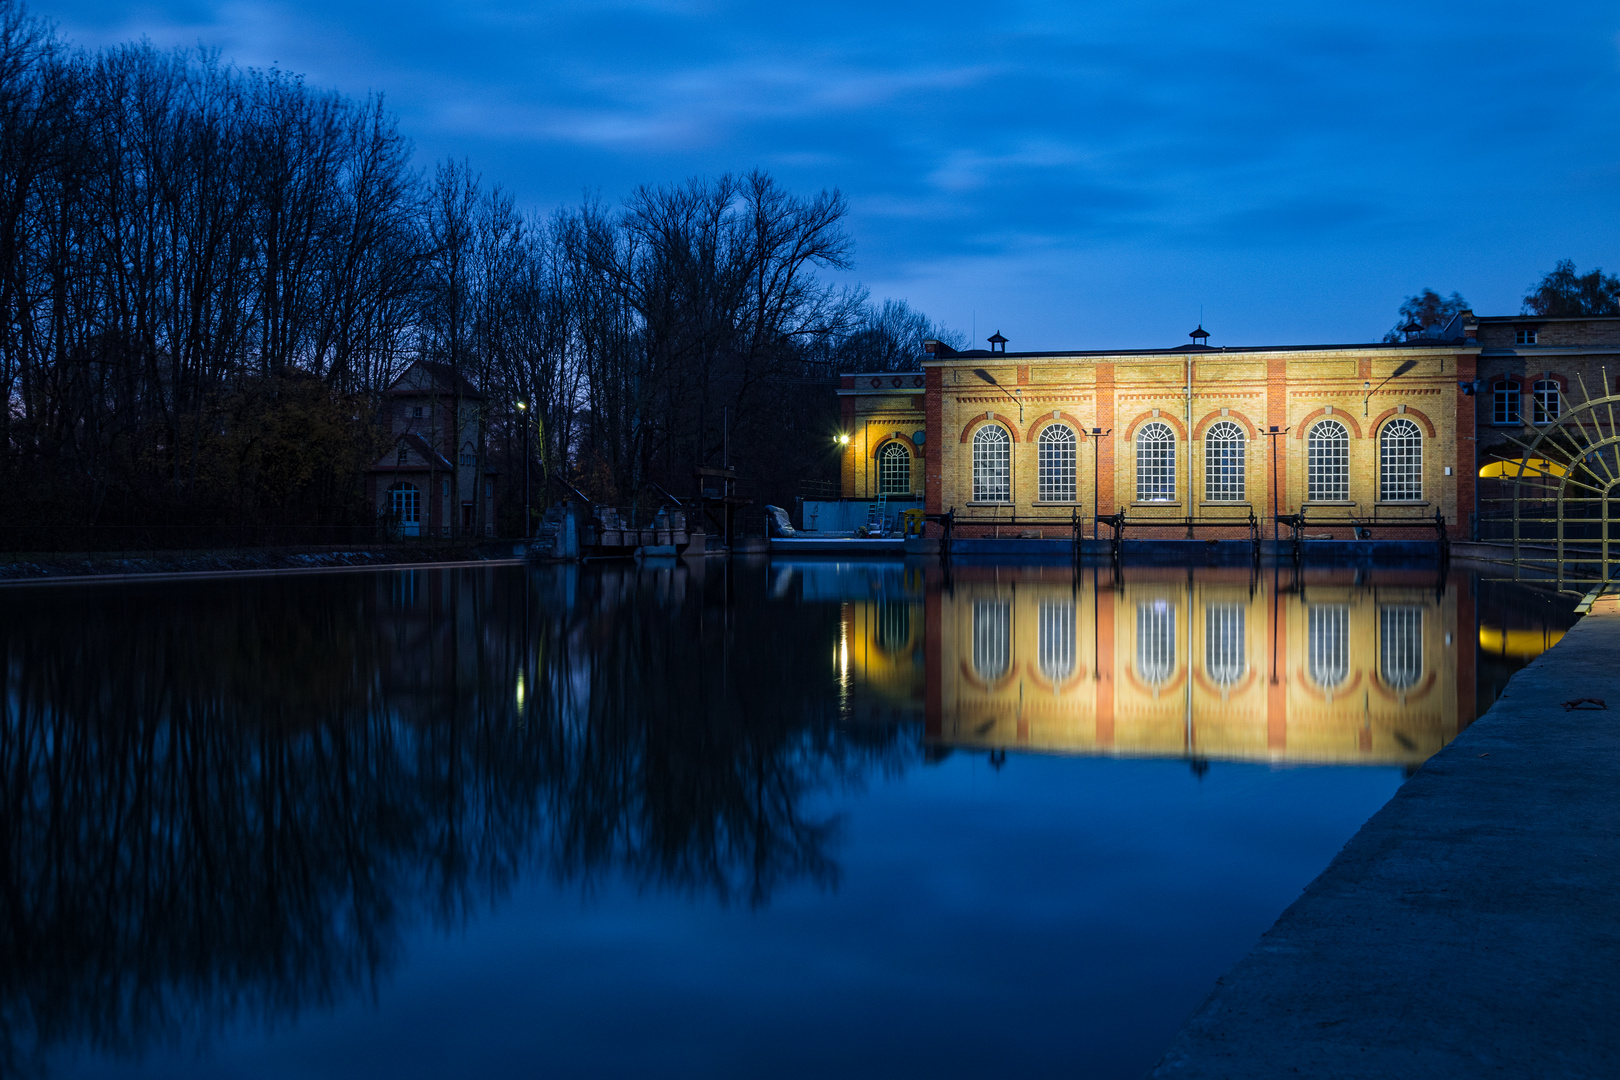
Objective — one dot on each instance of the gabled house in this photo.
(429, 483)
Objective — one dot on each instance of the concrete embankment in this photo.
(1472, 927)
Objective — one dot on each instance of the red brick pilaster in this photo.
(933, 669)
(934, 445)
(1467, 448)
(1104, 448)
(1277, 416)
(1277, 687)
(1105, 664)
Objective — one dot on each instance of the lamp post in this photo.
(523, 413)
(1274, 433)
(1098, 434)
(1405, 366)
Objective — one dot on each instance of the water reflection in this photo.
(1327, 667)
(235, 800)
(232, 800)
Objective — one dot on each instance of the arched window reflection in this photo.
(1225, 658)
(893, 625)
(992, 638)
(1155, 641)
(1328, 642)
(1400, 646)
(1056, 641)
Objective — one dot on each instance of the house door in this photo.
(405, 503)
(466, 518)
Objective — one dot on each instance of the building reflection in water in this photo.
(1217, 664)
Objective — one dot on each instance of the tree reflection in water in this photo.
(232, 799)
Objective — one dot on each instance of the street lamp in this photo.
(1406, 365)
(991, 379)
(1098, 434)
(523, 411)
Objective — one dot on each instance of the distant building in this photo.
(1386, 429)
(429, 482)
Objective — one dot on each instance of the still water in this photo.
(724, 820)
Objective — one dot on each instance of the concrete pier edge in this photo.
(1472, 926)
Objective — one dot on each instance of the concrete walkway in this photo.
(1472, 927)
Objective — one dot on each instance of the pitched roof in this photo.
(444, 377)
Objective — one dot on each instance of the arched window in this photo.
(1155, 463)
(1328, 642)
(992, 638)
(1400, 462)
(992, 465)
(1223, 463)
(1505, 402)
(1056, 640)
(405, 504)
(1545, 402)
(1057, 444)
(1400, 646)
(1225, 658)
(894, 469)
(1155, 642)
(1328, 463)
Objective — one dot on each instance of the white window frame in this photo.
(1524, 337)
(1328, 645)
(1056, 459)
(1155, 463)
(1547, 402)
(1400, 646)
(1507, 403)
(1327, 462)
(894, 469)
(992, 465)
(1225, 463)
(1400, 462)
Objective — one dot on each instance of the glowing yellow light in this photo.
(520, 692)
(843, 440)
(1508, 470)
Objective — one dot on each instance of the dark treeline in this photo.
(268, 787)
(208, 275)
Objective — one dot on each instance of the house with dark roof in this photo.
(434, 479)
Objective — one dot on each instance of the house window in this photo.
(1400, 646)
(1545, 403)
(1056, 641)
(1155, 642)
(1225, 658)
(416, 412)
(1057, 443)
(1328, 642)
(1223, 463)
(1505, 402)
(469, 459)
(1155, 463)
(1400, 459)
(404, 455)
(992, 465)
(1524, 337)
(1327, 463)
(992, 639)
(894, 469)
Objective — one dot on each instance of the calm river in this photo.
(765, 819)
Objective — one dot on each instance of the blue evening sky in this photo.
(1077, 175)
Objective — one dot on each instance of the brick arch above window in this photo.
(1165, 418)
(989, 418)
(1303, 427)
(1249, 430)
(1531, 378)
(894, 437)
(1047, 420)
(1411, 414)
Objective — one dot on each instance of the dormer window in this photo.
(1524, 337)
(404, 455)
